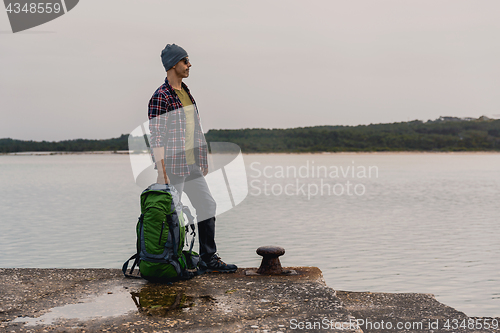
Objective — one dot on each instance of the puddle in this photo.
(115, 303)
(159, 300)
(152, 299)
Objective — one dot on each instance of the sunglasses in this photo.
(186, 60)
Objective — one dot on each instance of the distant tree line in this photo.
(438, 135)
(443, 134)
(78, 145)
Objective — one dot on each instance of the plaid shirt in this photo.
(167, 124)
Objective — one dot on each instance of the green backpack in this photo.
(161, 233)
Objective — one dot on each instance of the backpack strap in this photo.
(185, 210)
(174, 233)
(125, 266)
(135, 256)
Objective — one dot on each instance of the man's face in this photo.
(182, 68)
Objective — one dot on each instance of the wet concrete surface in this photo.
(102, 300)
(385, 312)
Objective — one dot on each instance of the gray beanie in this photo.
(171, 55)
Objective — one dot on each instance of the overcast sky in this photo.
(256, 64)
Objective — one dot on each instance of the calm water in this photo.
(403, 223)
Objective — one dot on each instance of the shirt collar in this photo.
(172, 89)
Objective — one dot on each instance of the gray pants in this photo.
(196, 188)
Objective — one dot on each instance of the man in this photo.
(179, 148)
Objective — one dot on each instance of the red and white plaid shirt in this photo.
(167, 124)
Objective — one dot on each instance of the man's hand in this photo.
(204, 171)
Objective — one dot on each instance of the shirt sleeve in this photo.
(158, 115)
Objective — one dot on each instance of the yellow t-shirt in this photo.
(189, 135)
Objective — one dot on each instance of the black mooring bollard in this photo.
(270, 264)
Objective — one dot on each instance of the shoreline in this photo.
(126, 152)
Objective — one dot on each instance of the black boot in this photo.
(215, 264)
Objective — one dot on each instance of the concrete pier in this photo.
(102, 300)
